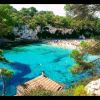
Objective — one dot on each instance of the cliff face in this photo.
(53, 30)
(24, 32)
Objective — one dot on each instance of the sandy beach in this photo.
(71, 44)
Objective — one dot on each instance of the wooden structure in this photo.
(40, 81)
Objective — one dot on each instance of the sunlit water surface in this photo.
(29, 61)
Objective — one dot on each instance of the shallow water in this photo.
(29, 61)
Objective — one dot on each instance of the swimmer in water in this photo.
(40, 64)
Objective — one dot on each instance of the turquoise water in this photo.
(29, 61)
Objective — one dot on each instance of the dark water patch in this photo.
(37, 44)
(46, 53)
(18, 78)
(60, 72)
(59, 58)
(23, 69)
(16, 50)
(19, 43)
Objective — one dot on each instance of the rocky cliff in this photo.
(24, 32)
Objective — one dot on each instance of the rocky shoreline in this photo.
(8, 44)
(93, 88)
(67, 43)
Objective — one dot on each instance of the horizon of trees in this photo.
(79, 17)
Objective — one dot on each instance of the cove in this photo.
(29, 61)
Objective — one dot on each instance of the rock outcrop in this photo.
(93, 88)
(53, 30)
(24, 32)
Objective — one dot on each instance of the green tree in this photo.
(42, 18)
(82, 11)
(6, 22)
(5, 75)
(84, 19)
(28, 11)
(80, 55)
(2, 58)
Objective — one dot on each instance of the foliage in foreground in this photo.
(5, 74)
(77, 89)
(81, 64)
(40, 91)
(81, 54)
(2, 58)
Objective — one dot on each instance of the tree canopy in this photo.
(80, 17)
(82, 11)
